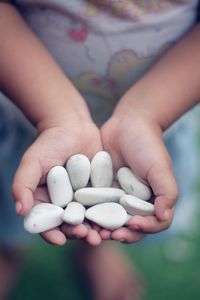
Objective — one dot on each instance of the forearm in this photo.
(171, 87)
(29, 75)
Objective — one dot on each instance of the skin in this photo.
(133, 134)
(60, 115)
(140, 152)
(45, 152)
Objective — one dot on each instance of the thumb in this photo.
(25, 182)
(163, 184)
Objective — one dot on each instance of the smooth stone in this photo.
(132, 185)
(59, 186)
(78, 168)
(91, 196)
(43, 217)
(101, 170)
(107, 215)
(136, 206)
(74, 213)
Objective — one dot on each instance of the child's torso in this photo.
(105, 46)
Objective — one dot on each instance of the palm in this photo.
(138, 144)
(53, 147)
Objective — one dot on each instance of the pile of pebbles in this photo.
(84, 190)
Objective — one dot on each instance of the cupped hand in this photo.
(136, 141)
(53, 146)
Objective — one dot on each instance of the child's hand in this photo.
(135, 140)
(54, 145)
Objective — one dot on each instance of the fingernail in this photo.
(18, 207)
(166, 214)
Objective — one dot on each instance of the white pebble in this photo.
(59, 186)
(43, 217)
(91, 196)
(107, 215)
(101, 170)
(74, 213)
(78, 168)
(132, 185)
(135, 206)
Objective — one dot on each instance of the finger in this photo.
(93, 238)
(25, 182)
(148, 157)
(160, 177)
(164, 207)
(105, 234)
(163, 183)
(88, 225)
(150, 224)
(75, 231)
(126, 235)
(96, 227)
(41, 194)
(55, 237)
(109, 141)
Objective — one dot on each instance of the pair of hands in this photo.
(131, 139)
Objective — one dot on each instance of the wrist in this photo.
(138, 107)
(64, 117)
(136, 122)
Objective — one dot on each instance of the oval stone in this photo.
(43, 217)
(107, 215)
(136, 206)
(78, 168)
(91, 196)
(74, 213)
(101, 170)
(59, 186)
(130, 183)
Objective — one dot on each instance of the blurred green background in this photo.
(169, 266)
